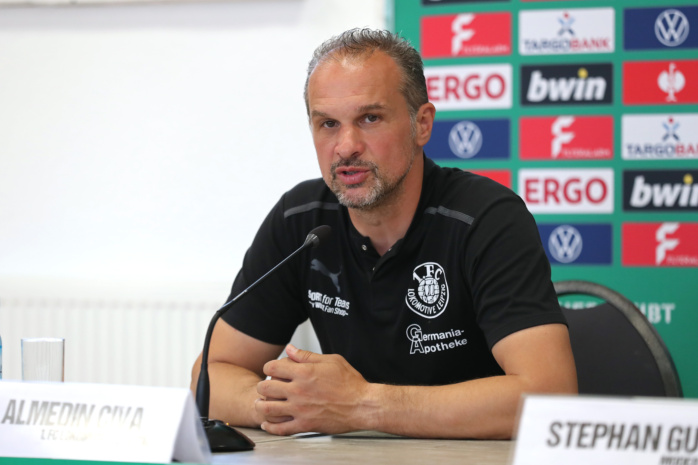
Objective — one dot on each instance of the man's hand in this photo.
(311, 392)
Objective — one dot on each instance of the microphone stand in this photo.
(221, 436)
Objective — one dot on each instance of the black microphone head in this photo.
(318, 235)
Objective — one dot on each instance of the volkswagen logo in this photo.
(671, 28)
(465, 139)
(565, 244)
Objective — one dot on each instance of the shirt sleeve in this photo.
(508, 271)
(271, 311)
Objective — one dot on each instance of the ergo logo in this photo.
(567, 190)
(469, 87)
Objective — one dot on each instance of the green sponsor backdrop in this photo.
(667, 295)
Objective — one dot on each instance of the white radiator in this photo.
(144, 342)
(118, 336)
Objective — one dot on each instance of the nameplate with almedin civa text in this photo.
(579, 430)
(80, 421)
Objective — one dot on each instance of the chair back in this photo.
(616, 349)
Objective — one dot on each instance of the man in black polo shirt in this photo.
(432, 298)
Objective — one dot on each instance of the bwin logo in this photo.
(658, 195)
(565, 243)
(565, 89)
(465, 139)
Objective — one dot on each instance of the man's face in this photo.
(361, 127)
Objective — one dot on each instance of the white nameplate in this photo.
(100, 422)
(585, 430)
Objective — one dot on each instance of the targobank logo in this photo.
(433, 342)
(584, 30)
(430, 298)
(660, 137)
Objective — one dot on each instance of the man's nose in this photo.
(349, 143)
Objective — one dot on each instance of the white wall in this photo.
(142, 145)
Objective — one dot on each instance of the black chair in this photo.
(616, 350)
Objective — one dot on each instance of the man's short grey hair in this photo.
(362, 43)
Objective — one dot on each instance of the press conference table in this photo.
(361, 448)
(366, 448)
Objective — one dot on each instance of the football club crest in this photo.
(429, 297)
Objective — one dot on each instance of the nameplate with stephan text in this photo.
(79, 421)
(579, 430)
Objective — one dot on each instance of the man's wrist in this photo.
(372, 407)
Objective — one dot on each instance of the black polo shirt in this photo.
(470, 270)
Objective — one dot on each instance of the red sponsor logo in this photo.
(566, 138)
(660, 82)
(503, 177)
(466, 34)
(660, 244)
(467, 87)
(567, 190)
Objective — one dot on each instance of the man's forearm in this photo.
(233, 393)
(484, 408)
(325, 393)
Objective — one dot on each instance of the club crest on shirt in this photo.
(429, 297)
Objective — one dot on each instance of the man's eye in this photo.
(329, 124)
(371, 118)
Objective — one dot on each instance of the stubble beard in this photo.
(380, 191)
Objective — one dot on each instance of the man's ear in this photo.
(425, 123)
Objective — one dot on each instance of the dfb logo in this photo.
(660, 244)
(660, 137)
(567, 84)
(466, 34)
(660, 190)
(469, 87)
(567, 190)
(660, 82)
(566, 137)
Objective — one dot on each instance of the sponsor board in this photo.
(469, 87)
(567, 190)
(574, 84)
(466, 34)
(660, 136)
(566, 137)
(660, 28)
(660, 190)
(574, 30)
(440, 2)
(660, 82)
(660, 244)
(503, 177)
(577, 244)
(473, 139)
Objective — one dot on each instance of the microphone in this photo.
(221, 436)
